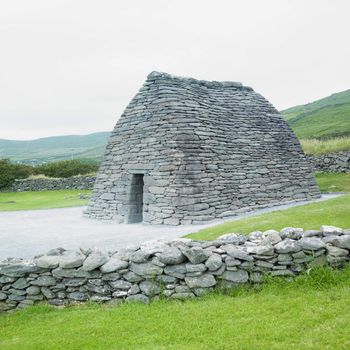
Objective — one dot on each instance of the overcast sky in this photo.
(71, 67)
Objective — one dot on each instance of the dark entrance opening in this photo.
(135, 199)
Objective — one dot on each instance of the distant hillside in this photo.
(55, 148)
(322, 119)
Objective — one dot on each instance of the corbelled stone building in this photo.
(188, 151)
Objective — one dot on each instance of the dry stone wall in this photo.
(46, 184)
(178, 269)
(205, 150)
(338, 162)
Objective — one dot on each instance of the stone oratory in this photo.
(189, 151)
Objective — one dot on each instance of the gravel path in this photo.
(26, 233)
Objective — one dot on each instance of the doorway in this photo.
(135, 209)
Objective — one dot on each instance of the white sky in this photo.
(71, 67)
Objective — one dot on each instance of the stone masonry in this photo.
(178, 269)
(188, 151)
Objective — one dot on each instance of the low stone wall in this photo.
(45, 184)
(338, 162)
(178, 269)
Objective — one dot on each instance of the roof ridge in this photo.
(155, 75)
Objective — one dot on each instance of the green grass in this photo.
(339, 182)
(310, 216)
(312, 312)
(10, 201)
(317, 147)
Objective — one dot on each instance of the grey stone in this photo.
(195, 255)
(195, 268)
(78, 296)
(239, 276)
(182, 296)
(291, 232)
(335, 251)
(132, 277)
(71, 259)
(47, 293)
(342, 242)
(3, 296)
(137, 298)
(146, 269)
(139, 256)
(149, 288)
(21, 283)
(33, 290)
(96, 259)
(214, 262)
(44, 281)
(114, 264)
(18, 269)
(47, 262)
(288, 246)
(171, 256)
(266, 249)
(237, 252)
(312, 243)
(331, 230)
(232, 238)
(204, 281)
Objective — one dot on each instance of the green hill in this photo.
(326, 118)
(55, 148)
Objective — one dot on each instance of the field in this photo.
(42, 200)
(312, 312)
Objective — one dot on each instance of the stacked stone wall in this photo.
(178, 269)
(47, 184)
(338, 162)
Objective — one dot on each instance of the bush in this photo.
(9, 172)
(66, 168)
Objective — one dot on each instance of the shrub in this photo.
(9, 172)
(66, 168)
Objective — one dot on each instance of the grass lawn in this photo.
(333, 182)
(11, 201)
(310, 216)
(312, 312)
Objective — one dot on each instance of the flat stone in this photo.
(47, 262)
(204, 281)
(139, 256)
(133, 277)
(146, 269)
(232, 238)
(19, 269)
(288, 246)
(311, 243)
(120, 284)
(265, 249)
(195, 268)
(78, 296)
(3, 296)
(96, 259)
(237, 252)
(137, 298)
(21, 283)
(342, 242)
(33, 290)
(331, 230)
(44, 281)
(335, 251)
(182, 296)
(114, 264)
(71, 259)
(239, 276)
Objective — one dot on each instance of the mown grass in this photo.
(317, 147)
(11, 201)
(339, 182)
(312, 312)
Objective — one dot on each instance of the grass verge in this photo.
(11, 201)
(311, 312)
(333, 182)
(317, 147)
